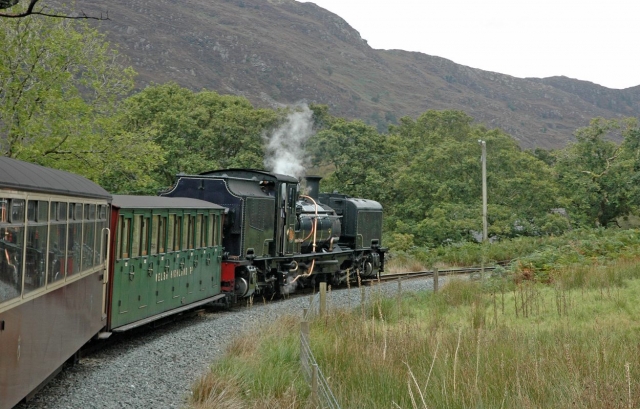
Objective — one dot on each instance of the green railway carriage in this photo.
(166, 258)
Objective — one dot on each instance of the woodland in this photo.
(67, 101)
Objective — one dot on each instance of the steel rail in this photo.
(427, 273)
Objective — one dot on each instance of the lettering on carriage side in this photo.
(174, 274)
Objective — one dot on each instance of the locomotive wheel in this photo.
(242, 287)
(367, 268)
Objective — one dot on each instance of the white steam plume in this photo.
(285, 149)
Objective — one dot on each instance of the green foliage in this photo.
(360, 156)
(600, 177)
(437, 185)
(60, 86)
(198, 131)
(401, 242)
(426, 172)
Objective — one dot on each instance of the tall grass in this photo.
(447, 350)
(562, 330)
(260, 370)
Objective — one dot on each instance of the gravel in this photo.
(155, 368)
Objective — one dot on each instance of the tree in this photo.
(436, 189)
(32, 9)
(600, 176)
(199, 131)
(60, 87)
(360, 158)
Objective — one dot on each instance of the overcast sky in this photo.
(591, 40)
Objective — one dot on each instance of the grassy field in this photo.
(561, 328)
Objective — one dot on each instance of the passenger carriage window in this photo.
(191, 222)
(11, 247)
(57, 242)
(74, 240)
(217, 231)
(123, 237)
(4, 210)
(89, 237)
(178, 230)
(17, 211)
(62, 212)
(36, 249)
(162, 234)
(43, 212)
(31, 210)
(135, 238)
(211, 229)
(200, 232)
(171, 225)
(144, 236)
(155, 222)
(186, 229)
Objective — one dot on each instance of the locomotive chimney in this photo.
(313, 184)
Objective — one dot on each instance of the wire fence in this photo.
(321, 394)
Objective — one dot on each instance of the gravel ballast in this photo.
(156, 368)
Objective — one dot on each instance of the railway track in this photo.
(429, 273)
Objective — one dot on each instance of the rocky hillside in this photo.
(283, 51)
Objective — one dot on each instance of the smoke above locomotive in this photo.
(285, 153)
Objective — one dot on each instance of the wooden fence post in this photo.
(436, 277)
(399, 296)
(323, 298)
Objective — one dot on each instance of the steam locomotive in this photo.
(77, 263)
(277, 239)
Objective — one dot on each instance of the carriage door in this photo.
(200, 272)
(124, 271)
(156, 266)
(192, 258)
(139, 277)
(214, 241)
(103, 255)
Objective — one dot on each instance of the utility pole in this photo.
(483, 144)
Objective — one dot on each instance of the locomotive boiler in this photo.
(277, 239)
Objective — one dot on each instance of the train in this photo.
(78, 263)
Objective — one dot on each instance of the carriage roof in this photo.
(24, 176)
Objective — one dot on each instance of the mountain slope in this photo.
(282, 52)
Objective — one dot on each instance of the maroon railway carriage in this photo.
(53, 240)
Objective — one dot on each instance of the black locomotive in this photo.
(277, 239)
